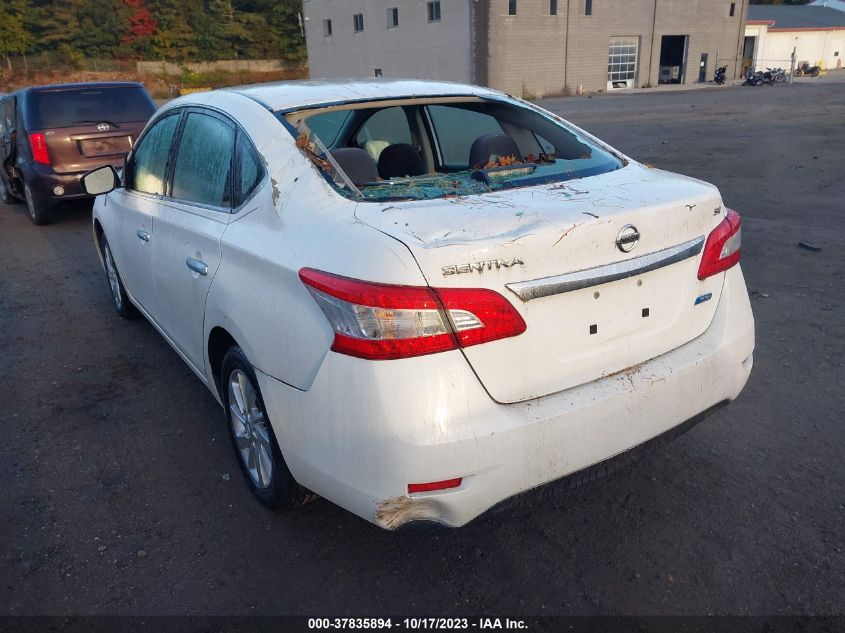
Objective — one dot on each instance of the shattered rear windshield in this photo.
(419, 149)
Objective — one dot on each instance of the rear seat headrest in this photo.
(489, 145)
(399, 160)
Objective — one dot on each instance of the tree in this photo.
(14, 37)
(57, 23)
(138, 36)
(285, 30)
(210, 23)
(174, 39)
(102, 24)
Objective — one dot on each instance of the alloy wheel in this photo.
(249, 428)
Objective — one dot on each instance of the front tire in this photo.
(122, 305)
(39, 212)
(256, 449)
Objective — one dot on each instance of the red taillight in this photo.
(38, 143)
(721, 251)
(382, 321)
(434, 485)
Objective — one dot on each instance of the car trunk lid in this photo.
(591, 309)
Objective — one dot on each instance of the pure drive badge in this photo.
(490, 264)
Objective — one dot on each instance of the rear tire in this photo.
(39, 212)
(122, 305)
(256, 449)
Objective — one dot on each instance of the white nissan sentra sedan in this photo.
(419, 299)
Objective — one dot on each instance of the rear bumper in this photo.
(42, 179)
(365, 430)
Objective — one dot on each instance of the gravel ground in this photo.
(115, 464)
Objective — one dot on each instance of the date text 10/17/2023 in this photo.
(414, 624)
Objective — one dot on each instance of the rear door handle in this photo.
(143, 235)
(197, 266)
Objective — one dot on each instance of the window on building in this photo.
(358, 18)
(434, 11)
(327, 28)
(377, 72)
(511, 7)
(588, 7)
(622, 62)
(733, 9)
(392, 18)
(552, 7)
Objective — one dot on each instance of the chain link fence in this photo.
(49, 62)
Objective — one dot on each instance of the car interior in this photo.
(446, 146)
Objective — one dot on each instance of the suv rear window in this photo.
(86, 106)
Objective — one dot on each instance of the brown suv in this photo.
(51, 135)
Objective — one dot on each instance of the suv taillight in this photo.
(721, 251)
(38, 143)
(382, 321)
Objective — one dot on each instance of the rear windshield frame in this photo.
(285, 116)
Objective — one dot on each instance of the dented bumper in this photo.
(365, 429)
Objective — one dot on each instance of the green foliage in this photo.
(173, 30)
(14, 37)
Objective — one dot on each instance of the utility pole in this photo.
(792, 64)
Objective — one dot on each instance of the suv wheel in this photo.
(122, 304)
(256, 448)
(39, 212)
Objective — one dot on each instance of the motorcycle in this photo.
(778, 75)
(806, 69)
(753, 78)
(721, 73)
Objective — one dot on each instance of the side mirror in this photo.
(100, 180)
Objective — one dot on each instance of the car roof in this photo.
(83, 86)
(291, 95)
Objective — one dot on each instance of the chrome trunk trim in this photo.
(547, 286)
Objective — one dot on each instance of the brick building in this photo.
(527, 47)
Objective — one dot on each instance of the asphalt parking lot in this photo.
(121, 494)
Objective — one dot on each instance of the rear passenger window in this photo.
(385, 127)
(203, 171)
(145, 172)
(456, 130)
(327, 125)
(249, 170)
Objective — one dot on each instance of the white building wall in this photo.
(774, 48)
(416, 49)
